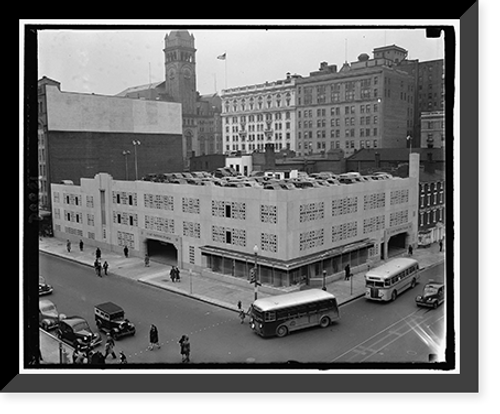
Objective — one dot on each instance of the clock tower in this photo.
(180, 69)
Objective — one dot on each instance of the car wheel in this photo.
(282, 331)
(324, 321)
(394, 295)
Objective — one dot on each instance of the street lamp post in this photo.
(136, 143)
(324, 280)
(126, 154)
(255, 278)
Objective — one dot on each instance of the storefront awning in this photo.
(291, 264)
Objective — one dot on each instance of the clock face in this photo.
(171, 73)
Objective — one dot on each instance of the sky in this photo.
(107, 61)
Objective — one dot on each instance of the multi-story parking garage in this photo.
(291, 234)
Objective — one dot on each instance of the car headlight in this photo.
(252, 325)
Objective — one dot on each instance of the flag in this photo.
(222, 57)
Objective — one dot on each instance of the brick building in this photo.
(365, 104)
(80, 135)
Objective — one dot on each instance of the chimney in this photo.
(270, 160)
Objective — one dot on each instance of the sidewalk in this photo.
(192, 284)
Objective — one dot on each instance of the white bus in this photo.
(387, 281)
(281, 314)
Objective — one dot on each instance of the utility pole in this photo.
(136, 143)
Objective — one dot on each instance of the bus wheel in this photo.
(394, 295)
(413, 283)
(282, 331)
(324, 321)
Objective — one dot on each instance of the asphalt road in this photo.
(367, 332)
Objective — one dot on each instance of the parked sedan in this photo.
(75, 331)
(43, 287)
(49, 316)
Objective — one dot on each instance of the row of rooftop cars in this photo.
(227, 177)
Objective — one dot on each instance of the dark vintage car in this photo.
(43, 287)
(432, 295)
(49, 316)
(75, 331)
(110, 318)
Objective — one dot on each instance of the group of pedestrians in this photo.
(97, 264)
(175, 274)
(185, 345)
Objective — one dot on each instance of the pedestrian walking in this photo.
(441, 245)
(347, 272)
(68, 246)
(239, 305)
(98, 253)
(125, 251)
(153, 338)
(146, 260)
(177, 274)
(123, 358)
(105, 267)
(410, 250)
(81, 245)
(242, 315)
(172, 274)
(109, 347)
(97, 267)
(185, 348)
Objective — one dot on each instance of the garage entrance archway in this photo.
(397, 244)
(162, 252)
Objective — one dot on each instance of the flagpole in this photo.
(225, 70)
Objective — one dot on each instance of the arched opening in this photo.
(162, 252)
(397, 244)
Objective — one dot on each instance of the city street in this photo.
(367, 332)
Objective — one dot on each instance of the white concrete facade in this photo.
(298, 233)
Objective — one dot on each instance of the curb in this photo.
(188, 295)
(81, 262)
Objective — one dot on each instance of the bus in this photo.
(281, 314)
(387, 281)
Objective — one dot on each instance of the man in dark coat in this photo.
(125, 251)
(153, 338)
(347, 274)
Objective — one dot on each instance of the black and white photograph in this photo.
(227, 197)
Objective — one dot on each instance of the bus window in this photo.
(387, 283)
(270, 316)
